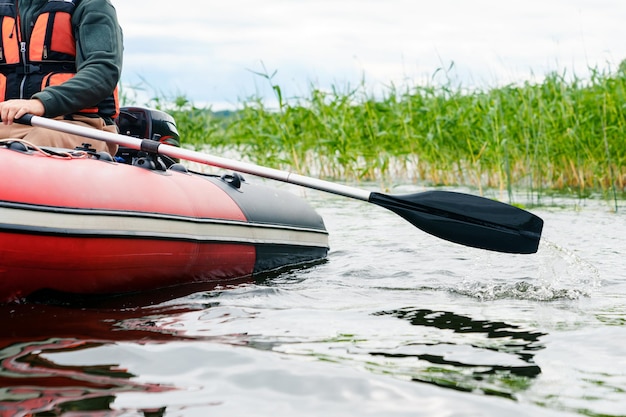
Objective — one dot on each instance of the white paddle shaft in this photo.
(203, 158)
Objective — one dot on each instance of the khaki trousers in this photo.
(42, 136)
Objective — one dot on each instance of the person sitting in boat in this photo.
(61, 59)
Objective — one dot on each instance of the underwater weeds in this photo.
(557, 136)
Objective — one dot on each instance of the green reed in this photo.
(566, 135)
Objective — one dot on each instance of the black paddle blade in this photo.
(467, 219)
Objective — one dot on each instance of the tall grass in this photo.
(566, 135)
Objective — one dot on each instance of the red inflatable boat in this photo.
(77, 222)
(84, 222)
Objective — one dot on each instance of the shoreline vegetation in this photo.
(560, 136)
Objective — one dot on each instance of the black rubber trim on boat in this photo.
(271, 257)
(265, 205)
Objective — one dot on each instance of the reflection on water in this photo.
(32, 384)
(31, 333)
(450, 350)
(465, 375)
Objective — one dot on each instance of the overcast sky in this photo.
(208, 51)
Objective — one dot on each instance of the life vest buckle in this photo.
(29, 69)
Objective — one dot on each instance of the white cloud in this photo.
(206, 48)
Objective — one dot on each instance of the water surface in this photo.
(395, 323)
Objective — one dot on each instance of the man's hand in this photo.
(14, 109)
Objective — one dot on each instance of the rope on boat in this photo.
(47, 152)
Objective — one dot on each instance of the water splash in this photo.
(559, 274)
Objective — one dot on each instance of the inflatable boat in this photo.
(79, 222)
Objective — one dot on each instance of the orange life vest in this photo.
(47, 59)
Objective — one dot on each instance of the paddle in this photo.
(461, 218)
